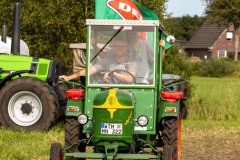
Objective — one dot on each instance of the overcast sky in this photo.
(179, 8)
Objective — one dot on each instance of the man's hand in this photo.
(162, 43)
(64, 77)
(107, 77)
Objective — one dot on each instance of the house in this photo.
(212, 41)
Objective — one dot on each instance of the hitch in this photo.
(108, 148)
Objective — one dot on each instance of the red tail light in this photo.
(172, 96)
(75, 94)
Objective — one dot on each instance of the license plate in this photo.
(111, 128)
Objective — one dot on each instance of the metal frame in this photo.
(122, 22)
(145, 23)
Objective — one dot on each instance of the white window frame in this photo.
(229, 35)
(223, 51)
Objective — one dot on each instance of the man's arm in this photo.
(78, 74)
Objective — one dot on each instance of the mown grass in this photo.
(215, 99)
(210, 140)
(34, 145)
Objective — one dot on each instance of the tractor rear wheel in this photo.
(29, 104)
(172, 135)
(73, 134)
(56, 151)
(61, 89)
(183, 110)
(167, 153)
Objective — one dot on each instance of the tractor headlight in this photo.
(142, 120)
(83, 119)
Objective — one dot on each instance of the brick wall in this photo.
(223, 44)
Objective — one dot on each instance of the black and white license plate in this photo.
(111, 128)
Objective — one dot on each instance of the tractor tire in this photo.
(172, 135)
(61, 89)
(183, 110)
(56, 151)
(73, 134)
(28, 104)
(167, 153)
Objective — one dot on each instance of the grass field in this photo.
(215, 99)
(203, 137)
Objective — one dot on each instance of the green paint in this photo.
(100, 98)
(162, 114)
(42, 69)
(77, 103)
(12, 63)
(121, 116)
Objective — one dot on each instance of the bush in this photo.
(216, 68)
(175, 62)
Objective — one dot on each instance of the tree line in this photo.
(48, 27)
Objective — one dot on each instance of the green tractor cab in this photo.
(131, 118)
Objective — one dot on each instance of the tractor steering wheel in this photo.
(110, 74)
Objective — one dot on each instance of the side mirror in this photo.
(170, 39)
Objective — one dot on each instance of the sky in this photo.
(179, 8)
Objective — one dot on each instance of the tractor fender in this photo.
(78, 104)
(11, 75)
(164, 105)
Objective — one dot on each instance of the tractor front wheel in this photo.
(56, 151)
(172, 135)
(73, 134)
(29, 104)
(167, 153)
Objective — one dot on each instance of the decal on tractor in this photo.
(126, 9)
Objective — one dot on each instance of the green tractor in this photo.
(139, 119)
(30, 98)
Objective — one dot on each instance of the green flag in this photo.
(167, 45)
(124, 9)
(147, 14)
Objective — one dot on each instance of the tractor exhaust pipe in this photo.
(4, 33)
(15, 47)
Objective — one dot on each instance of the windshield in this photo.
(127, 59)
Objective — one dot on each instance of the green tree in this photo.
(157, 6)
(224, 12)
(184, 27)
(48, 27)
(175, 62)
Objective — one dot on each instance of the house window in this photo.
(229, 36)
(222, 53)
